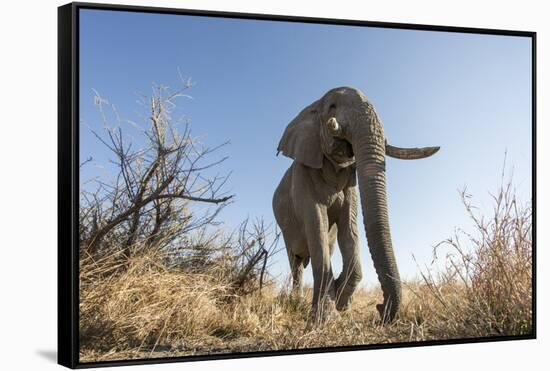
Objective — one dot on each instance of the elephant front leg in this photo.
(348, 241)
(323, 280)
(297, 270)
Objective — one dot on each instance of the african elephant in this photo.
(315, 203)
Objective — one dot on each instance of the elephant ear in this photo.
(301, 140)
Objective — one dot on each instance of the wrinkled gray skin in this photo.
(336, 142)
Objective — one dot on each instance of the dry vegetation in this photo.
(167, 282)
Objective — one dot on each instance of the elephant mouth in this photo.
(342, 151)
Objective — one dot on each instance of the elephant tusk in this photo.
(334, 127)
(410, 153)
(333, 124)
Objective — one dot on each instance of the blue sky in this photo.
(469, 94)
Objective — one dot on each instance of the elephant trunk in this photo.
(369, 149)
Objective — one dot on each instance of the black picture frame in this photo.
(68, 178)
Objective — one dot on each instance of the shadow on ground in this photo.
(50, 355)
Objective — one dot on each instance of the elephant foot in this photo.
(297, 302)
(343, 301)
(343, 306)
(323, 313)
(386, 314)
(297, 294)
(344, 292)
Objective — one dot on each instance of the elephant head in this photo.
(344, 128)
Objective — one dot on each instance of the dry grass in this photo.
(149, 310)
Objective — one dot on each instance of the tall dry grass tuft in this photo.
(144, 304)
(486, 287)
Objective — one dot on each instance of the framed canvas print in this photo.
(240, 185)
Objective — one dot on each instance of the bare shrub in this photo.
(241, 258)
(148, 201)
(155, 268)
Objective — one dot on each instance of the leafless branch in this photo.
(153, 188)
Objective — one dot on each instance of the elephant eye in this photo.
(332, 106)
